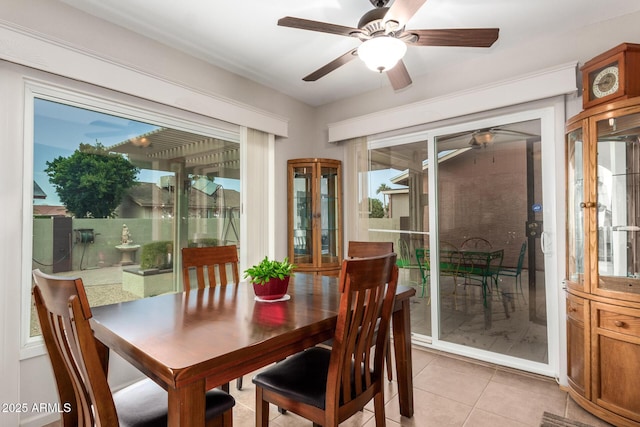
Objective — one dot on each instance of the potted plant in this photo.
(270, 278)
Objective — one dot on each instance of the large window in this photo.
(117, 193)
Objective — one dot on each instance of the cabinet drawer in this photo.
(623, 321)
(575, 308)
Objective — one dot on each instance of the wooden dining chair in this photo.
(80, 366)
(327, 386)
(360, 249)
(206, 261)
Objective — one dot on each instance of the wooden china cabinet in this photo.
(315, 215)
(603, 258)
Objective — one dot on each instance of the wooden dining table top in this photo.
(202, 339)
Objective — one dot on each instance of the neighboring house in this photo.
(48, 210)
(149, 200)
(38, 193)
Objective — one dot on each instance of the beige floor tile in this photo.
(518, 403)
(452, 384)
(480, 418)
(430, 410)
(531, 382)
(420, 359)
(464, 366)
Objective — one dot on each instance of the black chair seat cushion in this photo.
(301, 377)
(144, 404)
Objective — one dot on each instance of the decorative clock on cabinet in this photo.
(603, 259)
(612, 75)
(315, 215)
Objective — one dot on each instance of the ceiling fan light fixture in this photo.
(382, 53)
(140, 142)
(483, 137)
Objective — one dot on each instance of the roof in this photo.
(48, 210)
(38, 192)
(147, 194)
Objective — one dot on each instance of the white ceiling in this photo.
(242, 36)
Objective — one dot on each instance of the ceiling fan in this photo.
(481, 138)
(386, 26)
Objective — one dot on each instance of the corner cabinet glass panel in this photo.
(315, 215)
(575, 212)
(603, 202)
(617, 211)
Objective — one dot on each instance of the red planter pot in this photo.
(273, 289)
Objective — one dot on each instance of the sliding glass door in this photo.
(488, 261)
(466, 208)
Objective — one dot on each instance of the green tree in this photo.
(381, 188)
(92, 181)
(376, 210)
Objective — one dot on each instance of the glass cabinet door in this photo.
(617, 209)
(575, 211)
(329, 208)
(301, 214)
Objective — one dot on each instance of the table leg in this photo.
(404, 367)
(184, 403)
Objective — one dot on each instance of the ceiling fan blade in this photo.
(399, 76)
(323, 27)
(402, 11)
(338, 62)
(462, 37)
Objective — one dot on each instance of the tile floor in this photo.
(448, 391)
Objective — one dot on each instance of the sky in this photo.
(59, 129)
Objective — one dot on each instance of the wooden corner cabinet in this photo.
(315, 215)
(603, 260)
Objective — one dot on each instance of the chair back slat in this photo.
(367, 287)
(79, 369)
(207, 261)
(359, 249)
(476, 243)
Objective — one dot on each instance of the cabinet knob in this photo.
(619, 323)
(587, 204)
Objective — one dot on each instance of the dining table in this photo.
(190, 342)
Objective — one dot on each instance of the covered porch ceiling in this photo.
(165, 148)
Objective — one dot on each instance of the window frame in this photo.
(108, 102)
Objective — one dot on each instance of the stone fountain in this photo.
(126, 247)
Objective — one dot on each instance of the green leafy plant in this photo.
(156, 255)
(269, 269)
(92, 182)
